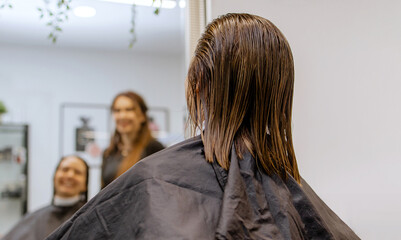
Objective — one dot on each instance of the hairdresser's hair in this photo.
(139, 143)
(239, 91)
(84, 195)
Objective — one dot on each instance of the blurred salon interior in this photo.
(63, 62)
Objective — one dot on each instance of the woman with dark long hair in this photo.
(239, 179)
(132, 139)
(70, 194)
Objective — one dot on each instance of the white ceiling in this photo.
(107, 30)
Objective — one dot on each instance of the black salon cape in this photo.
(176, 194)
(39, 224)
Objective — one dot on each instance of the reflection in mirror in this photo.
(62, 91)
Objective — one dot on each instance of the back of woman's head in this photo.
(239, 91)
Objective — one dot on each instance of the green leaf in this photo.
(50, 36)
(54, 39)
(41, 16)
(2, 6)
(49, 24)
(157, 11)
(68, 7)
(131, 30)
(10, 6)
(3, 108)
(40, 10)
(58, 29)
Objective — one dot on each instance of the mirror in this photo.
(58, 89)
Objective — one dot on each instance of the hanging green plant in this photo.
(55, 17)
(132, 29)
(6, 4)
(133, 17)
(157, 9)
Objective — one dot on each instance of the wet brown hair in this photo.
(239, 91)
(139, 143)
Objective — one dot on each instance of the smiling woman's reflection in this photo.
(132, 139)
(70, 193)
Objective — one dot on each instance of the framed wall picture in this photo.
(84, 130)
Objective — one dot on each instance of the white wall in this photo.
(35, 81)
(347, 110)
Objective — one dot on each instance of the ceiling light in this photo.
(84, 11)
(182, 3)
(147, 3)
